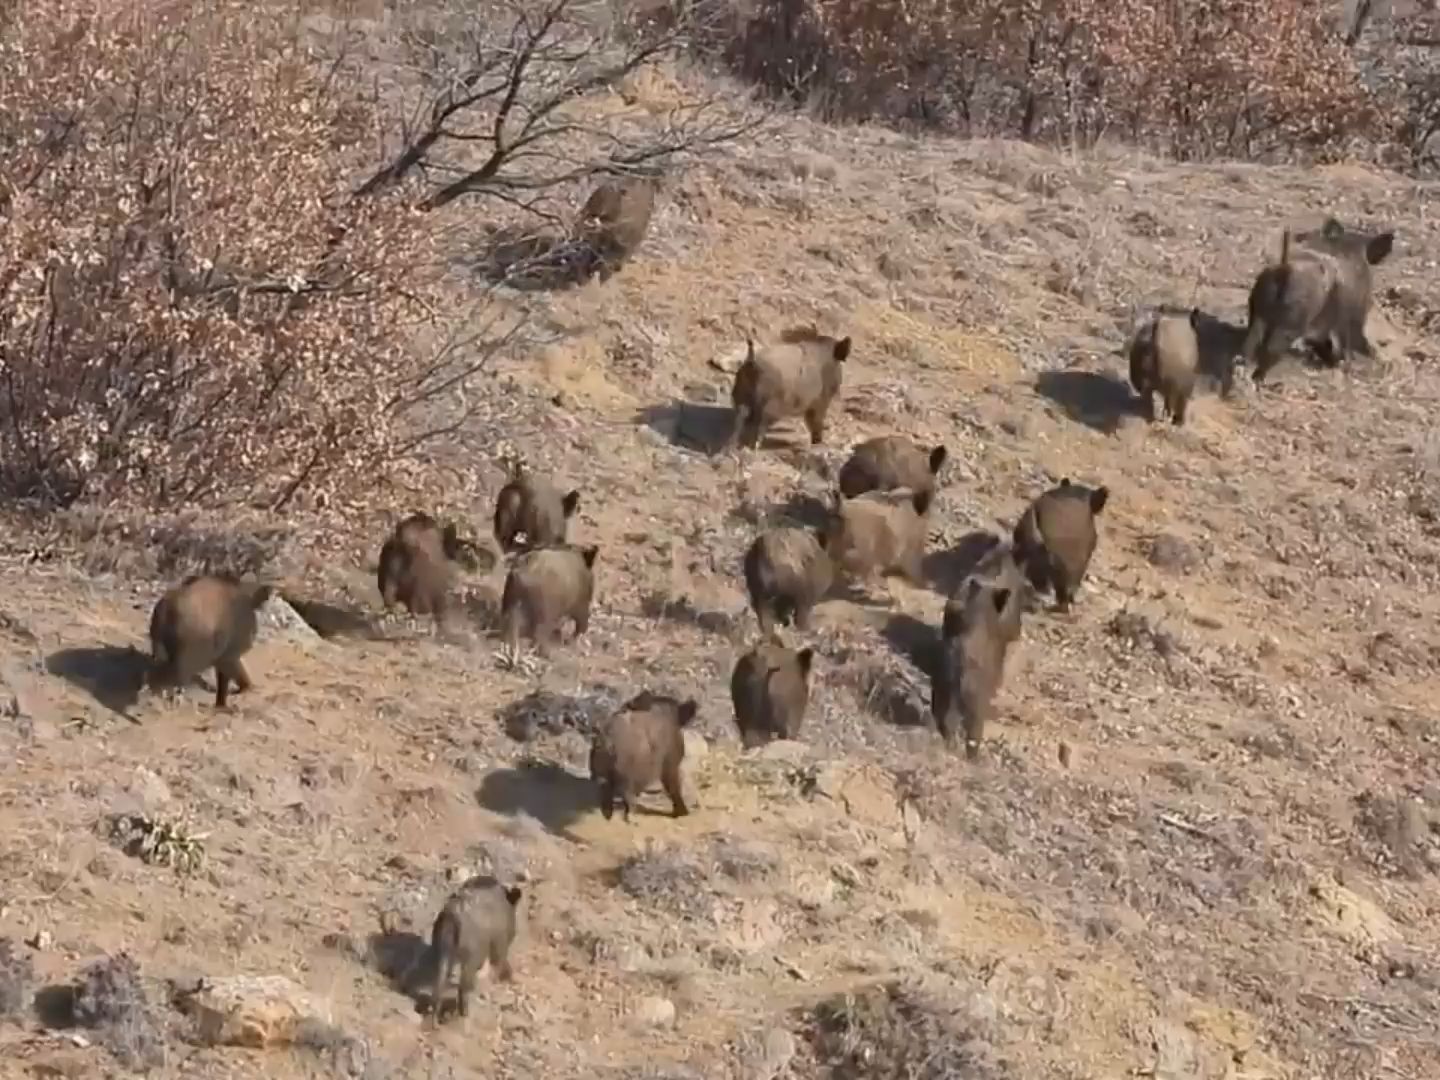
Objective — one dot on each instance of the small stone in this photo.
(1171, 552)
(771, 1056)
(40, 940)
(655, 1012)
(1064, 755)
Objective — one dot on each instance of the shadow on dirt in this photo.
(552, 795)
(110, 674)
(1099, 400)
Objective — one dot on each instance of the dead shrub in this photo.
(111, 999)
(667, 880)
(17, 980)
(1217, 77)
(192, 308)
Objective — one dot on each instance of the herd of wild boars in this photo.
(878, 523)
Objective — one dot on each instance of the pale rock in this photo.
(655, 1012)
(255, 1011)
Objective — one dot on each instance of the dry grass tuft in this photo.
(17, 980)
(111, 999)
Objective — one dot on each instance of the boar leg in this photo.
(670, 780)
(1175, 406)
(444, 969)
(815, 421)
(1064, 588)
(607, 799)
(469, 965)
(582, 622)
(500, 960)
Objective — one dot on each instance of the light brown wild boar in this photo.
(770, 688)
(532, 505)
(545, 587)
(477, 924)
(1355, 252)
(880, 533)
(999, 569)
(1056, 536)
(416, 565)
(798, 376)
(889, 462)
(641, 744)
(207, 620)
(787, 572)
(1164, 359)
(614, 220)
(972, 665)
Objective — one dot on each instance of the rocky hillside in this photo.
(1231, 874)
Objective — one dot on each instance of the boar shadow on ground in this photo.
(551, 794)
(54, 1006)
(1097, 399)
(404, 959)
(914, 640)
(690, 425)
(1219, 343)
(112, 675)
(801, 510)
(945, 570)
(331, 620)
(681, 610)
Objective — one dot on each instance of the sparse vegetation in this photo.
(111, 999)
(17, 981)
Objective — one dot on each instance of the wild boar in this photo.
(416, 565)
(614, 220)
(642, 743)
(787, 572)
(1355, 253)
(798, 376)
(879, 533)
(543, 588)
(889, 462)
(532, 505)
(207, 620)
(972, 664)
(1055, 537)
(1164, 359)
(770, 688)
(477, 924)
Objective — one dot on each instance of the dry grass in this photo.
(1235, 869)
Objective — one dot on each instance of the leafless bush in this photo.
(898, 1032)
(110, 998)
(668, 880)
(349, 1056)
(17, 980)
(192, 308)
(1218, 77)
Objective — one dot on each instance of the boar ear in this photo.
(921, 501)
(842, 349)
(688, 709)
(750, 349)
(937, 458)
(1098, 498)
(1332, 229)
(513, 895)
(1378, 247)
(1002, 597)
(806, 657)
(589, 553)
(1065, 481)
(570, 503)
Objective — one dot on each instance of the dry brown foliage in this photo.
(1234, 77)
(192, 309)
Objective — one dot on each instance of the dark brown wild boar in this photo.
(1355, 253)
(770, 688)
(532, 505)
(1055, 537)
(543, 589)
(972, 664)
(641, 744)
(798, 376)
(207, 620)
(416, 565)
(476, 925)
(1164, 359)
(787, 572)
(889, 462)
(614, 220)
(879, 533)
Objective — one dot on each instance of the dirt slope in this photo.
(1234, 876)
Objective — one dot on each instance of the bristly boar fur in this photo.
(642, 743)
(614, 220)
(1164, 359)
(770, 689)
(972, 664)
(880, 533)
(889, 462)
(416, 565)
(999, 569)
(787, 572)
(532, 505)
(545, 587)
(1355, 253)
(207, 620)
(477, 924)
(797, 376)
(1055, 537)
